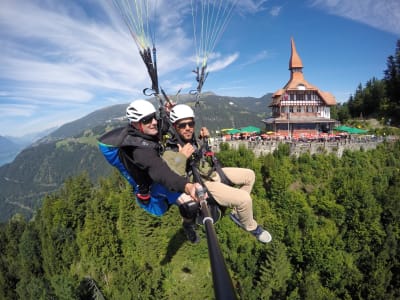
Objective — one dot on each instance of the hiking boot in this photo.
(261, 234)
(190, 232)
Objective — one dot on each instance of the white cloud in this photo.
(256, 58)
(65, 54)
(383, 14)
(251, 6)
(73, 56)
(16, 109)
(275, 11)
(217, 65)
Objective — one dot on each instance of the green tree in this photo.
(343, 113)
(32, 284)
(334, 221)
(392, 81)
(30, 258)
(58, 222)
(355, 103)
(374, 98)
(9, 265)
(275, 272)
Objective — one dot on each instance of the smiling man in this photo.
(139, 160)
(235, 195)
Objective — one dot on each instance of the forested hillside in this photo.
(377, 98)
(42, 169)
(334, 221)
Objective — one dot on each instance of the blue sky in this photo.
(62, 59)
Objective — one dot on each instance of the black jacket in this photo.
(141, 156)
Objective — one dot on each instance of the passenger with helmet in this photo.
(155, 185)
(237, 196)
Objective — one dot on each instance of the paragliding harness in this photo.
(208, 211)
(207, 154)
(200, 157)
(152, 197)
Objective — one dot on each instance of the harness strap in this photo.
(216, 165)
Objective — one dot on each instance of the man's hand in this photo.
(168, 106)
(186, 150)
(190, 189)
(183, 198)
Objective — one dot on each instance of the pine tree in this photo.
(392, 81)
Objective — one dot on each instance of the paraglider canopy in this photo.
(210, 19)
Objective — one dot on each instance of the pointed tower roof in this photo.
(297, 81)
(295, 61)
(295, 65)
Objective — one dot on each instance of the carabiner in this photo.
(149, 92)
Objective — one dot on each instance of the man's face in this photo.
(148, 125)
(185, 128)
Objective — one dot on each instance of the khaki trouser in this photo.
(237, 198)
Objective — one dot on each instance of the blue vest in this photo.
(160, 197)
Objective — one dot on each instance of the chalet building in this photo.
(300, 109)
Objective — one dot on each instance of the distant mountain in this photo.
(92, 120)
(8, 150)
(72, 149)
(215, 111)
(7, 143)
(10, 146)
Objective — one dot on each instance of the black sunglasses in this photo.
(183, 125)
(146, 120)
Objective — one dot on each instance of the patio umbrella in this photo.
(348, 129)
(232, 131)
(250, 129)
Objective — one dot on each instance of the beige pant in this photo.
(237, 198)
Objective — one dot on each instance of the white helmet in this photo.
(139, 109)
(179, 112)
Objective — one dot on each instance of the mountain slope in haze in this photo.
(94, 119)
(72, 149)
(10, 146)
(8, 150)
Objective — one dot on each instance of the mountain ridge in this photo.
(10, 146)
(41, 168)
